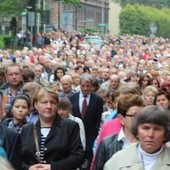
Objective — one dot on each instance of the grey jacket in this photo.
(128, 159)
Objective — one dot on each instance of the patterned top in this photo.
(10, 97)
(15, 126)
(62, 94)
(7, 98)
(44, 134)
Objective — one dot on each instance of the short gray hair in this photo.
(67, 77)
(150, 88)
(152, 114)
(87, 77)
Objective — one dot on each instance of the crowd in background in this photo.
(76, 69)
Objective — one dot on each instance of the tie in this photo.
(84, 107)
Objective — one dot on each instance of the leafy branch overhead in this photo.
(153, 3)
(12, 7)
(15, 7)
(72, 2)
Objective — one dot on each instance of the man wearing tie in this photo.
(88, 106)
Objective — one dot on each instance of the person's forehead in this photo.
(64, 107)
(105, 70)
(161, 96)
(65, 80)
(152, 125)
(13, 68)
(59, 70)
(84, 81)
(38, 67)
(134, 108)
(149, 92)
(114, 77)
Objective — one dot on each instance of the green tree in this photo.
(12, 7)
(15, 7)
(153, 3)
(72, 2)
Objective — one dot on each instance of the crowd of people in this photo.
(69, 105)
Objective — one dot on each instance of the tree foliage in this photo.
(153, 3)
(12, 7)
(72, 2)
(15, 7)
(136, 19)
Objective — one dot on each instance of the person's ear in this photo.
(35, 106)
(121, 119)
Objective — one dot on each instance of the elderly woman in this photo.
(54, 142)
(152, 129)
(149, 94)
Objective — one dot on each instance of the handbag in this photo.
(37, 153)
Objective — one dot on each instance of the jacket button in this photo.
(45, 149)
(44, 162)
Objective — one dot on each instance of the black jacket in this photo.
(11, 142)
(108, 146)
(62, 149)
(92, 117)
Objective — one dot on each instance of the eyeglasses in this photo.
(132, 116)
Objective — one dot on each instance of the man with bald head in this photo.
(66, 83)
(112, 83)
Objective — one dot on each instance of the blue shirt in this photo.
(62, 94)
(33, 117)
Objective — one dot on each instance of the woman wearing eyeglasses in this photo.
(54, 142)
(152, 129)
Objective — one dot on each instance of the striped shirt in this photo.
(44, 134)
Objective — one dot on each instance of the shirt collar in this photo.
(82, 95)
(121, 135)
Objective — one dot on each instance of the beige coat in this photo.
(128, 160)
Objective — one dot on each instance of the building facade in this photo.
(90, 14)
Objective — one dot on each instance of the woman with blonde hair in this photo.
(58, 145)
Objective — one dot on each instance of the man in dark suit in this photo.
(91, 116)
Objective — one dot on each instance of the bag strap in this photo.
(37, 145)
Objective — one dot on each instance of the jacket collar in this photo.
(134, 158)
(54, 128)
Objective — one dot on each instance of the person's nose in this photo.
(161, 102)
(20, 109)
(150, 133)
(48, 105)
(84, 88)
(14, 76)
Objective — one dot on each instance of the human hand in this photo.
(35, 167)
(44, 167)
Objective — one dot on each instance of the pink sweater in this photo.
(109, 128)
